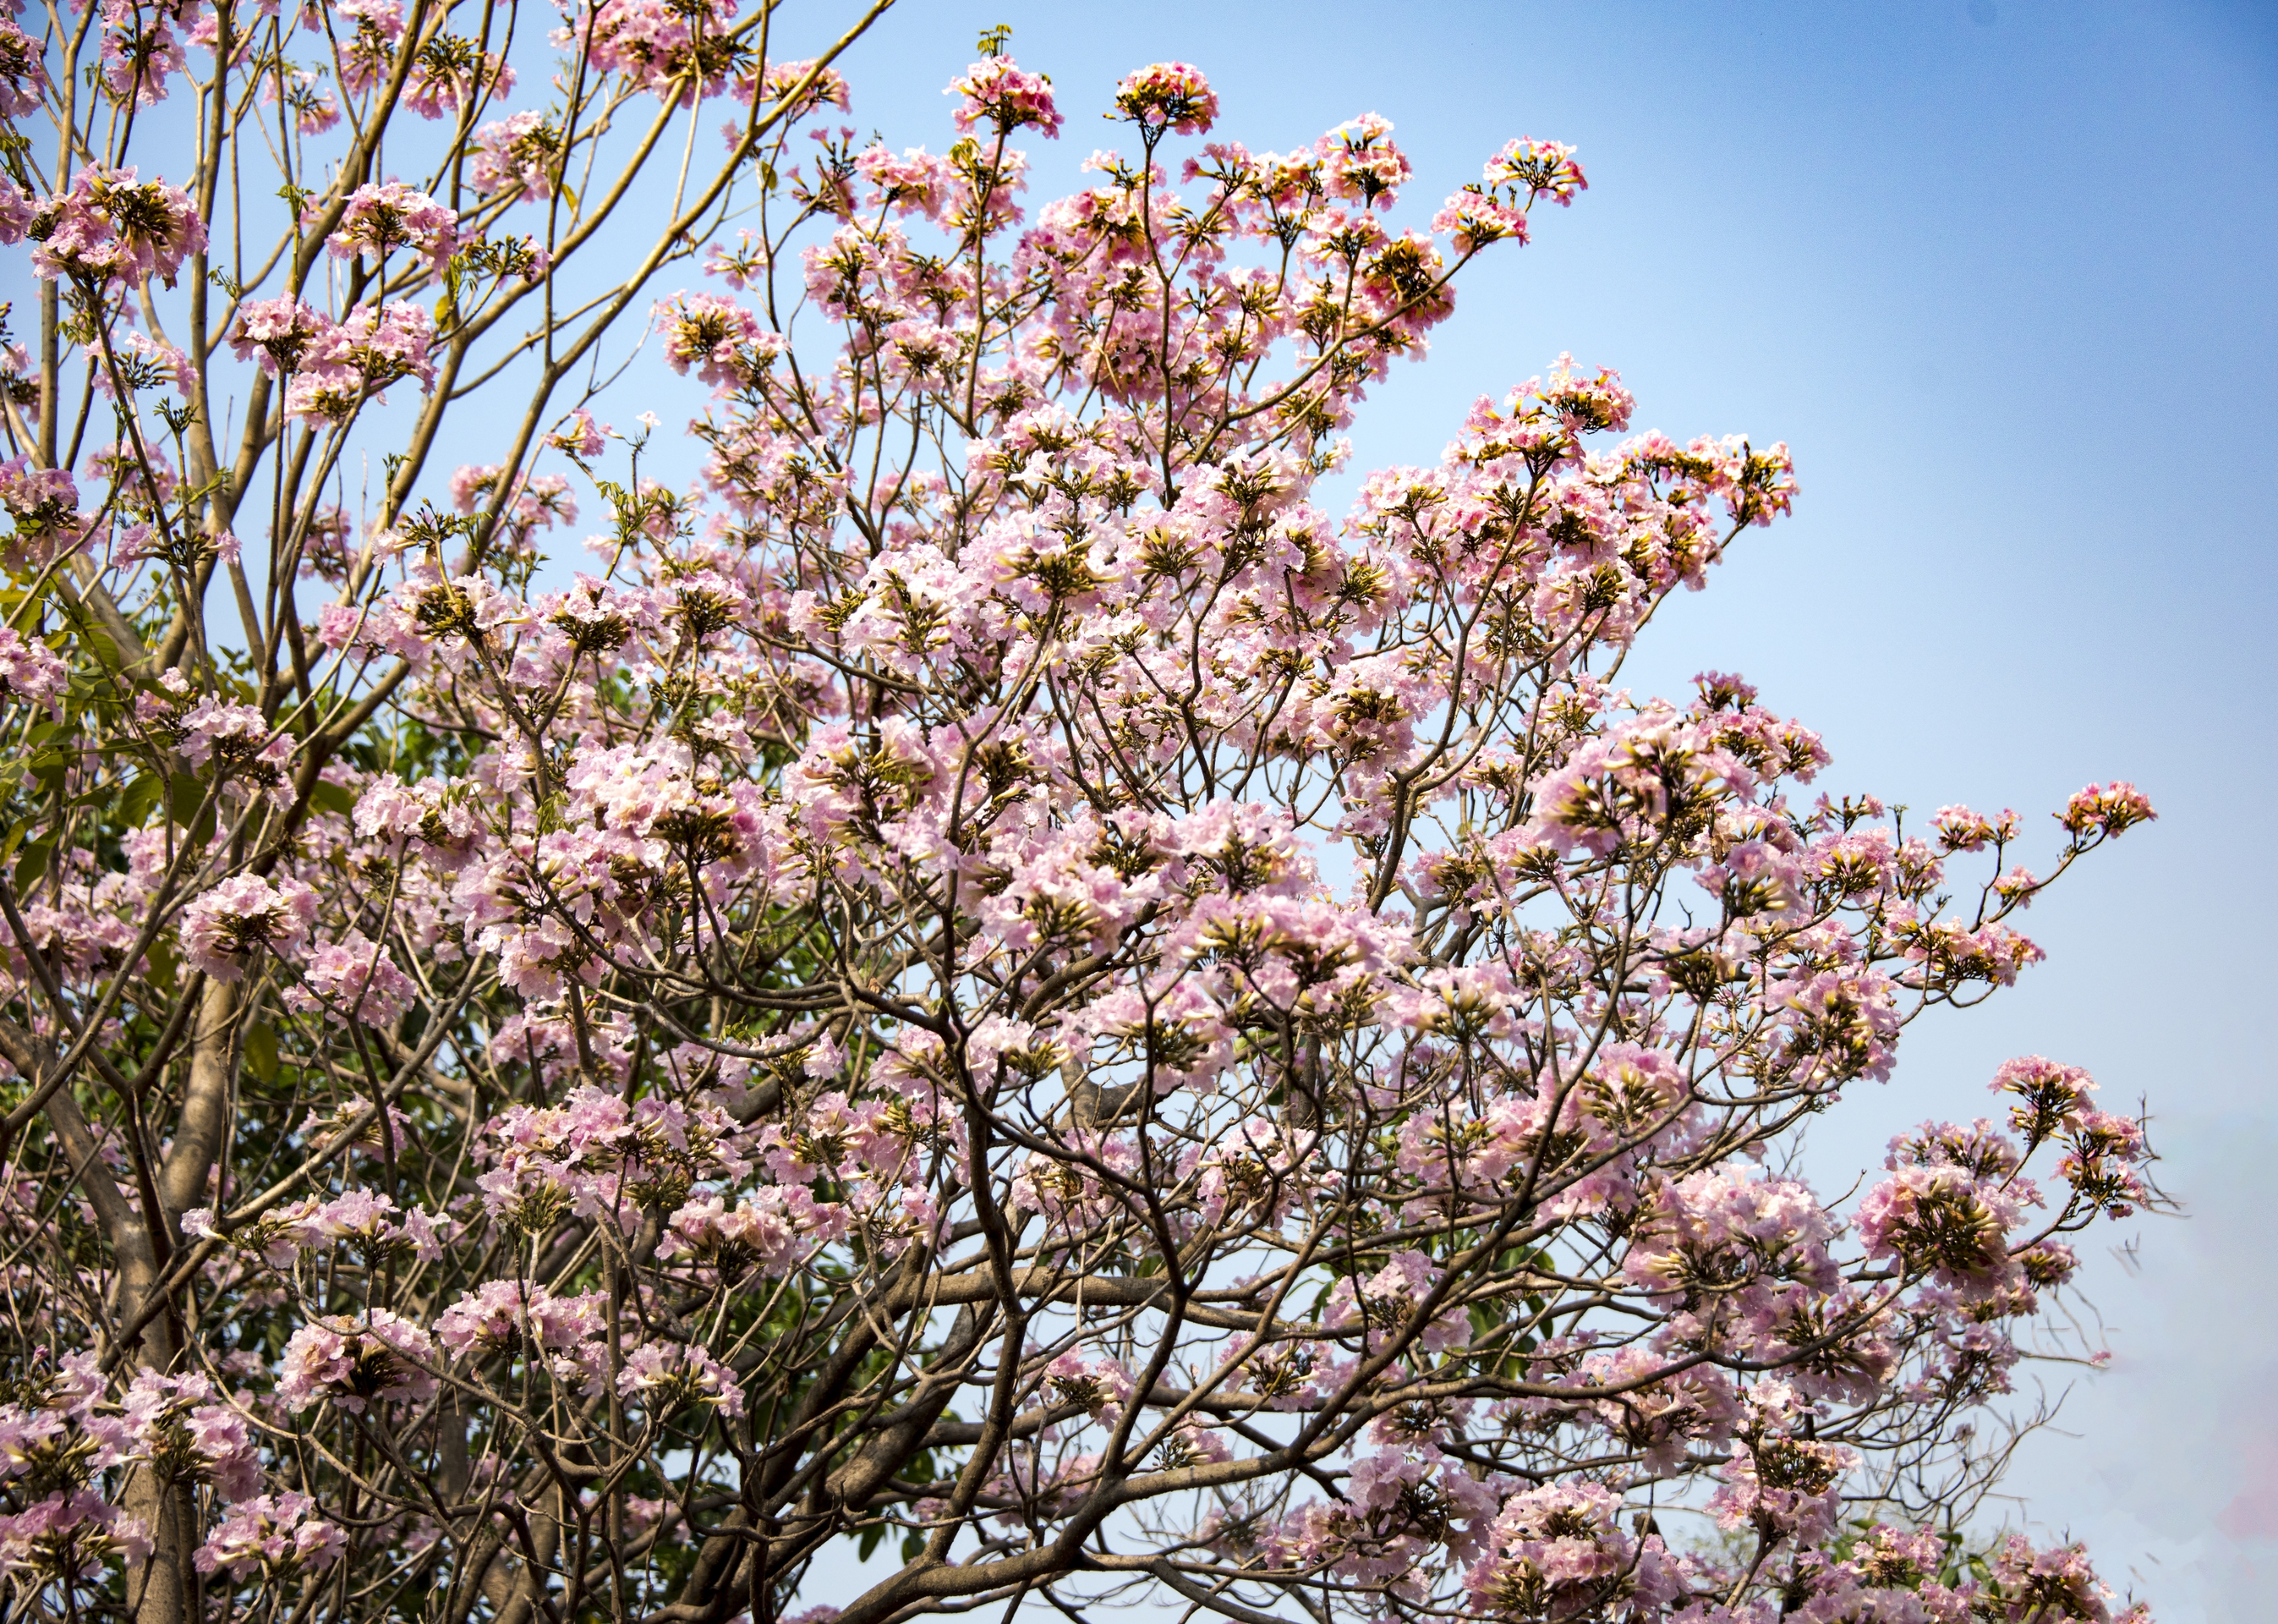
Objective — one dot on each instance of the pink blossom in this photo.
(283, 331)
(1943, 1220)
(1543, 168)
(237, 739)
(139, 51)
(372, 28)
(516, 155)
(222, 931)
(757, 1233)
(18, 213)
(915, 183)
(111, 226)
(384, 217)
(667, 50)
(182, 1429)
(2056, 1582)
(664, 1376)
(1360, 163)
(272, 1535)
(1167, 95)
(2109, 809)
(898, 858)
(32, 672)
(443, 83)
(726, 343)
(353, 978)
(997, 91)
(43, 502)
(500, 1314)
(579, 436)
(826, 88)
(1476, 218)
(23, 72)
(1783, 1485)
(68, 1536)
(353, 1362)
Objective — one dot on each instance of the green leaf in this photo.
(97, 642)
(332, 797)
(159, 965)
(33, 865)
(135, 805)
(261, 1051)
(184, 795)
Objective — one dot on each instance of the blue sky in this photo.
(2001, 274)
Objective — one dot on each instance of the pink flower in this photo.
(181, 1428)
(664, 1376)
(1945, 1222)
(828, 89)
(139, 51)
(23, 72)
(516, 155)
(381, 218)
(444, 81)
(237, 739)
(726, 343)
(915, 183)
(1476, 218)
(69, 1536)
(1359, 162)
(1101, 1387)
(668, 49)
(355, 361)
(997, 91)
(1961, 829)
(380, 346)
(354, 1361)
(2053, 1097)
(2108, 810)
(1542, 168)
(17, 212)
(372, 28)
(313, 108)
(110, 227)
(353, 979)
(272, 1535)
(1560, 1551)
(2030, 1585)
(578, 436)
(283, 330)
(500, 1313)
(30, 672)
(1167, 95)
(42, 501)
(757, 1234)
(222, 931)
(1783, 1485)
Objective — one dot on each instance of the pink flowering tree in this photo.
(982, 1003)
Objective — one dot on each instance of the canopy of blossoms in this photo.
(982, 1003)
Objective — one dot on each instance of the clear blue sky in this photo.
(2001, 274)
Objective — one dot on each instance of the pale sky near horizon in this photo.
(2001, 274)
